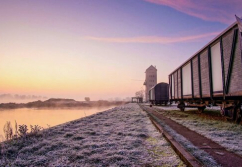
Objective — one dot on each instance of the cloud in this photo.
(155, 39)
(210, 10)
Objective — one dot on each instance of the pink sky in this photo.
(210, 10)
(157, 39)
(100, 49)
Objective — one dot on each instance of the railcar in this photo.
(159, 94)
(212, 76)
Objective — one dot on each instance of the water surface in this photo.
(44, 117)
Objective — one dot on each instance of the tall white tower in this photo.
(150, 80)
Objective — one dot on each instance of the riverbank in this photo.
(122, 136)
(45, 117)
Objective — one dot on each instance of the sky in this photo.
(101, 48)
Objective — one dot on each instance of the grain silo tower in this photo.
(150, 80)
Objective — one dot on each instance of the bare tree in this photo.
(140, 93)
(87, 99)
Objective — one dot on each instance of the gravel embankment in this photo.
(122, 136)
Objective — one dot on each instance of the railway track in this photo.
(219, 154)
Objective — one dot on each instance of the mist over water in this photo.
(17, 98)
(45, 117)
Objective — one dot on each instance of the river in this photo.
(44, 117)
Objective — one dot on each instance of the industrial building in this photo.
(150, 80)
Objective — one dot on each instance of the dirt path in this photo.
(222, 156)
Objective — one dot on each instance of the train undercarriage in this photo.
(159, 102)
(231, 109)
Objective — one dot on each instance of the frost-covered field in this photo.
(123, 136)
(227, 134)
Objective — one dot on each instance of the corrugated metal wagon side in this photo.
(212, 76)
(159, 94)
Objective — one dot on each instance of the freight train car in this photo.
(212, 76)
(159, 94)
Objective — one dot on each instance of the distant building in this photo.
(150, 80)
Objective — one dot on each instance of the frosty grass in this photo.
(122, 136)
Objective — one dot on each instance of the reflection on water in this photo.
(44, 117)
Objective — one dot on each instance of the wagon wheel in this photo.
(234, 113)
(201, 109)
(229, 113)
(181, 106)
(237, 111)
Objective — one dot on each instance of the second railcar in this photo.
(212, 76)
(159, 94)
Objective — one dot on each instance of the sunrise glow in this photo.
(100, 48)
